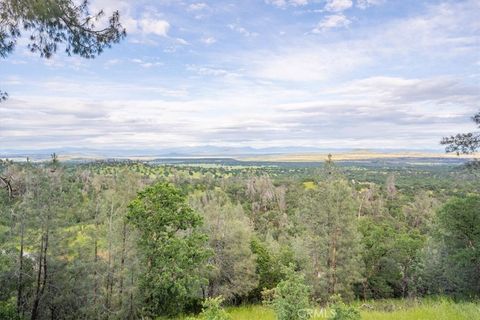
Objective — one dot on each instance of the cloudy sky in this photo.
(255, 73)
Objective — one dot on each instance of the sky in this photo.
(360, 74)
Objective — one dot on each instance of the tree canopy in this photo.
(459, 232)
(51, 23)
(172, 246)
(126, 240)
(464, 142)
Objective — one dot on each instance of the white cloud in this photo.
(408, 112)
(285, 3)
(363, 4)
(146, 25)
(147, 64)
(311, 63)
(211, 71)
(242, 30)
(111, 62)
(445, 30)
(208, 40)
(197, 6)
(333, 89)
(338, 5)
(299, 2)
(131, 25)
(442, 33)
(12, 80)
(17, 61)
(277, 3)
(150, 23)
(182, 41)
(332, 21)
(397, 91)
(155, 26)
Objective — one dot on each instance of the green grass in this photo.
(251, 312)
(442, 309)
(426, 309)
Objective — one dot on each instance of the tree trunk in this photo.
(110, 268)
(130, 312)
(36, 300)
(45, 264)
(20, 272)
(365, 285)
(122, 262)
(333, 263)
(95, 260)
(364, 198)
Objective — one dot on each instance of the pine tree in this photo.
(331, 239)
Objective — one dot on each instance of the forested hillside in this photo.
(126, 240)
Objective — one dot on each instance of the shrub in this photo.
(212, 310)
(290, 298)
(8, 311)
(341, 311)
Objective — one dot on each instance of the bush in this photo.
(340, 311)
(290, 298)
(8, 311)
(212, 310)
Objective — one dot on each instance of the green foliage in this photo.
(55, 22)
(291, 297)
(233, 264)
(393, 241)
(8, 311)
(330, 245)
(464, 142)
(381, 270)
(174, 250)
(3, 96)
(212, 309)
(268, 268)
(95, 265)
(341, 311)
(419, 213)
(391, 255)
(459, 234)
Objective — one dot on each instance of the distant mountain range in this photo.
(274, 154)
(283, 153)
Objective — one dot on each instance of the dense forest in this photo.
(129, 240)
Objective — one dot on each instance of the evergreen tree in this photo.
(331, 239)
(172, 247)
(458, 231)
(54, 22)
